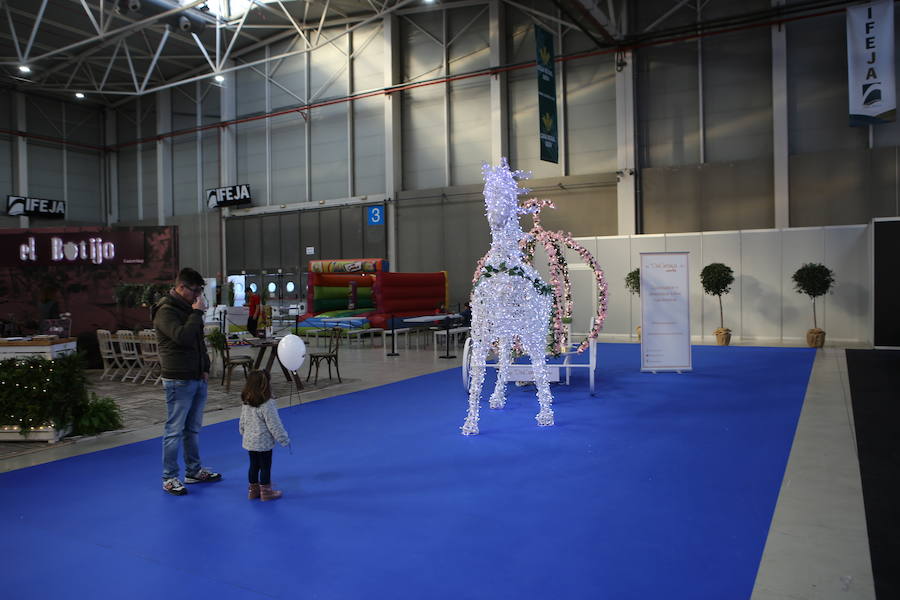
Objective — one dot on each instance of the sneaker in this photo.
(174, 486)
(203, 476)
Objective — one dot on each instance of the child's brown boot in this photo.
(253, 491)
(267, 493)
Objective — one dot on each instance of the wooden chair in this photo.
(329, 356)
(111, 362)
(210, 349)
(128, 353)
(149, 344)
(229, 363)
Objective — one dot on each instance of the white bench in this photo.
(359, 333)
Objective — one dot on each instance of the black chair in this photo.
(330, 356)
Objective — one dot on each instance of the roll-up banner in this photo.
(665, 312)
(870, 63)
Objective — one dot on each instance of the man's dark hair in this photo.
(188, 277)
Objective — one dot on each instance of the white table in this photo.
(445, 317)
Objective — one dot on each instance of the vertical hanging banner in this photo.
(665, 312)
(546, 78)
(870, 63)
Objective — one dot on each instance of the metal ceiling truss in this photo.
(121, 54)
(114, 55)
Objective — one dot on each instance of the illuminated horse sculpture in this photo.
(510, 302)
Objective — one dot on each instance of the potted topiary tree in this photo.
(633, 285)
(717, 279)
(814, 280)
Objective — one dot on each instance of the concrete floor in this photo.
(817, 548)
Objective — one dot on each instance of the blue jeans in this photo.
(185, 399)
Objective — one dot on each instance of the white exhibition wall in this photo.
(762, 305)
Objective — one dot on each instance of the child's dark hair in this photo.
(257, 390)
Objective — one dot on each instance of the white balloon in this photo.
(291, 352)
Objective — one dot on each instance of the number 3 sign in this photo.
(376, 215)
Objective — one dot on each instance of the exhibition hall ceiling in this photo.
(108, 51)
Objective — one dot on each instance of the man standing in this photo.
(254, 310)
(178, 319)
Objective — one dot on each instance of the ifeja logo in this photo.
(871, 94)
(15, 206)
(20, 206)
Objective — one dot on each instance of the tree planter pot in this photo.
(815, 338)
(723, 336)
(12, 433)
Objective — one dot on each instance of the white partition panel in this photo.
(799, 246)
(584, 298)
(847, 256)
(722, 247)
(760, 284)
(584, 291)
(614, 256)
(642, 243)
(763, 304)
(693, 245)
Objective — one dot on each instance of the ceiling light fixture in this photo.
(79, 95)
(219, 78)
(24, 69)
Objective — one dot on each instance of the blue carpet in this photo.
(661, 486)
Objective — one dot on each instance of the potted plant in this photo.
(633, 285)
(814, 280)
(716, 279)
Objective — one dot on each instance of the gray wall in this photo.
(55, 171)
(704, 123)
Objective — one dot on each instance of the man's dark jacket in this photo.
(179, 328)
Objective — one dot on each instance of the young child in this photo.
(261, 427)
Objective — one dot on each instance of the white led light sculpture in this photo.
(510, 302)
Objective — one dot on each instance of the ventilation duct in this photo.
(183, 21)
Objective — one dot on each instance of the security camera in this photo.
(134, 5)
(184, 24)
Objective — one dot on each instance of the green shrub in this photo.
(217, 340)
(37, 391)
(633, 281)
(100, 414)
(716, 279)
(814, 280)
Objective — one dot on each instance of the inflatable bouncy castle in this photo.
(401, 295)
(342, 284)
(363, 288)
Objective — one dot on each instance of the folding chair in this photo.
(128, 354)
(111, 361)
(149, 344)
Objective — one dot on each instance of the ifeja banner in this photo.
(870, 63)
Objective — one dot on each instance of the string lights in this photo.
(510, 302)
(559, 277)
